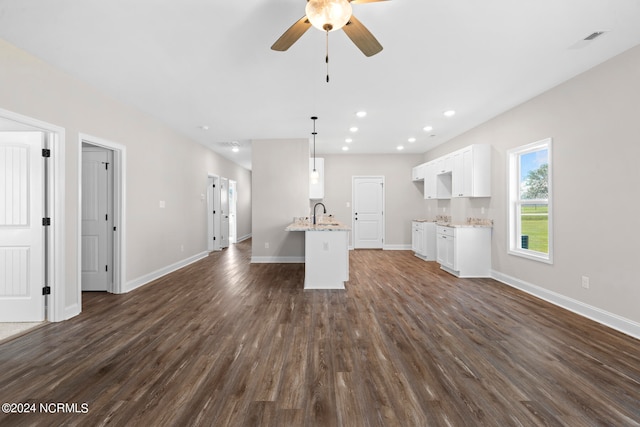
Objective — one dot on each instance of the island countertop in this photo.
(327, 225)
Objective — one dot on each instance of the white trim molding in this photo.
(596, 314)
(150, 277)
(396, 247)
(243, 238)
(277, 259)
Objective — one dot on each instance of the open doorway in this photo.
(221, 216)
(97, 218)
(102, 226)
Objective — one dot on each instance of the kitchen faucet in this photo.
(314, 211)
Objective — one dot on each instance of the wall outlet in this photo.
(162, 204)
(482, 210)
(266, 245)
(181, 248)
(348, 204)
(585, 282)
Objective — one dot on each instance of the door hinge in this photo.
(214, 186)
(46, 152)
(106, 268)
(214, 237)
(46, 290)
(115, 228)
(46, 221)
(106, 217)
(106, 165)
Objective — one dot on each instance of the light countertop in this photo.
(330, 225)
(469, 223)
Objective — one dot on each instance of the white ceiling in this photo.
(194, 62)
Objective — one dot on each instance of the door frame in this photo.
(119, 209)
(353, 207)
(54, 208)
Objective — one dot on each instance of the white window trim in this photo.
(513, 169)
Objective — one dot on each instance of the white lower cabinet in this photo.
(423, 240)
(464, 251)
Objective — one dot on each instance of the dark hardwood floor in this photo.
(224, 342)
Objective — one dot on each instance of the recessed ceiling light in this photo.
(345, 148)
(348, 140)
(427, 128)
(353, 129)
(400, 147)
(449, 113)
(411, 140)
(235, 149)
(361, 114)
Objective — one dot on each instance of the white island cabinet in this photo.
(326, 256)
(464, 251)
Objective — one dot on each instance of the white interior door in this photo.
(224, 212)
(368, 211)
(97, 219)
(233, 224)
(21, 231)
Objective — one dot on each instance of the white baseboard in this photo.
(277, 259)
(143, 280)
(396, 247)
(242, 238)
(390, 247)
(611, 320)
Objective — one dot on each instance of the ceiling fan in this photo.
(331, 15)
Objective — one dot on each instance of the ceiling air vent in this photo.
(594, 35)
(586, 41)
(230, 144)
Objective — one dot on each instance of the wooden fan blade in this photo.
(365, 1)
(362, 37)
(289, 37)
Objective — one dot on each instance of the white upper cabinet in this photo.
(418, 172)
(444, 164)
(463, 173)
(430, 181)
(471, 174)
(316, 189)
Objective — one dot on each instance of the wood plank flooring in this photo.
(224, 342)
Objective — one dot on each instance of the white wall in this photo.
(403, 197)
(280, 172)
(593, 120)
(161, 165)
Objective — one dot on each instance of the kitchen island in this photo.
(326, 254)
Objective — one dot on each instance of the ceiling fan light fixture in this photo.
(328, 15)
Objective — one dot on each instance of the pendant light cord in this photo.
(326, 59)
(314, 133)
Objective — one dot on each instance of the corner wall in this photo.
(593, 120)
(280, 172)
(161, 165)
(403, 197)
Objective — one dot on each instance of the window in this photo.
(530, 201)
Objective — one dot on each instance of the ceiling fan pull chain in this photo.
(326, 59)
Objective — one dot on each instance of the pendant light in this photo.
(315, 176)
